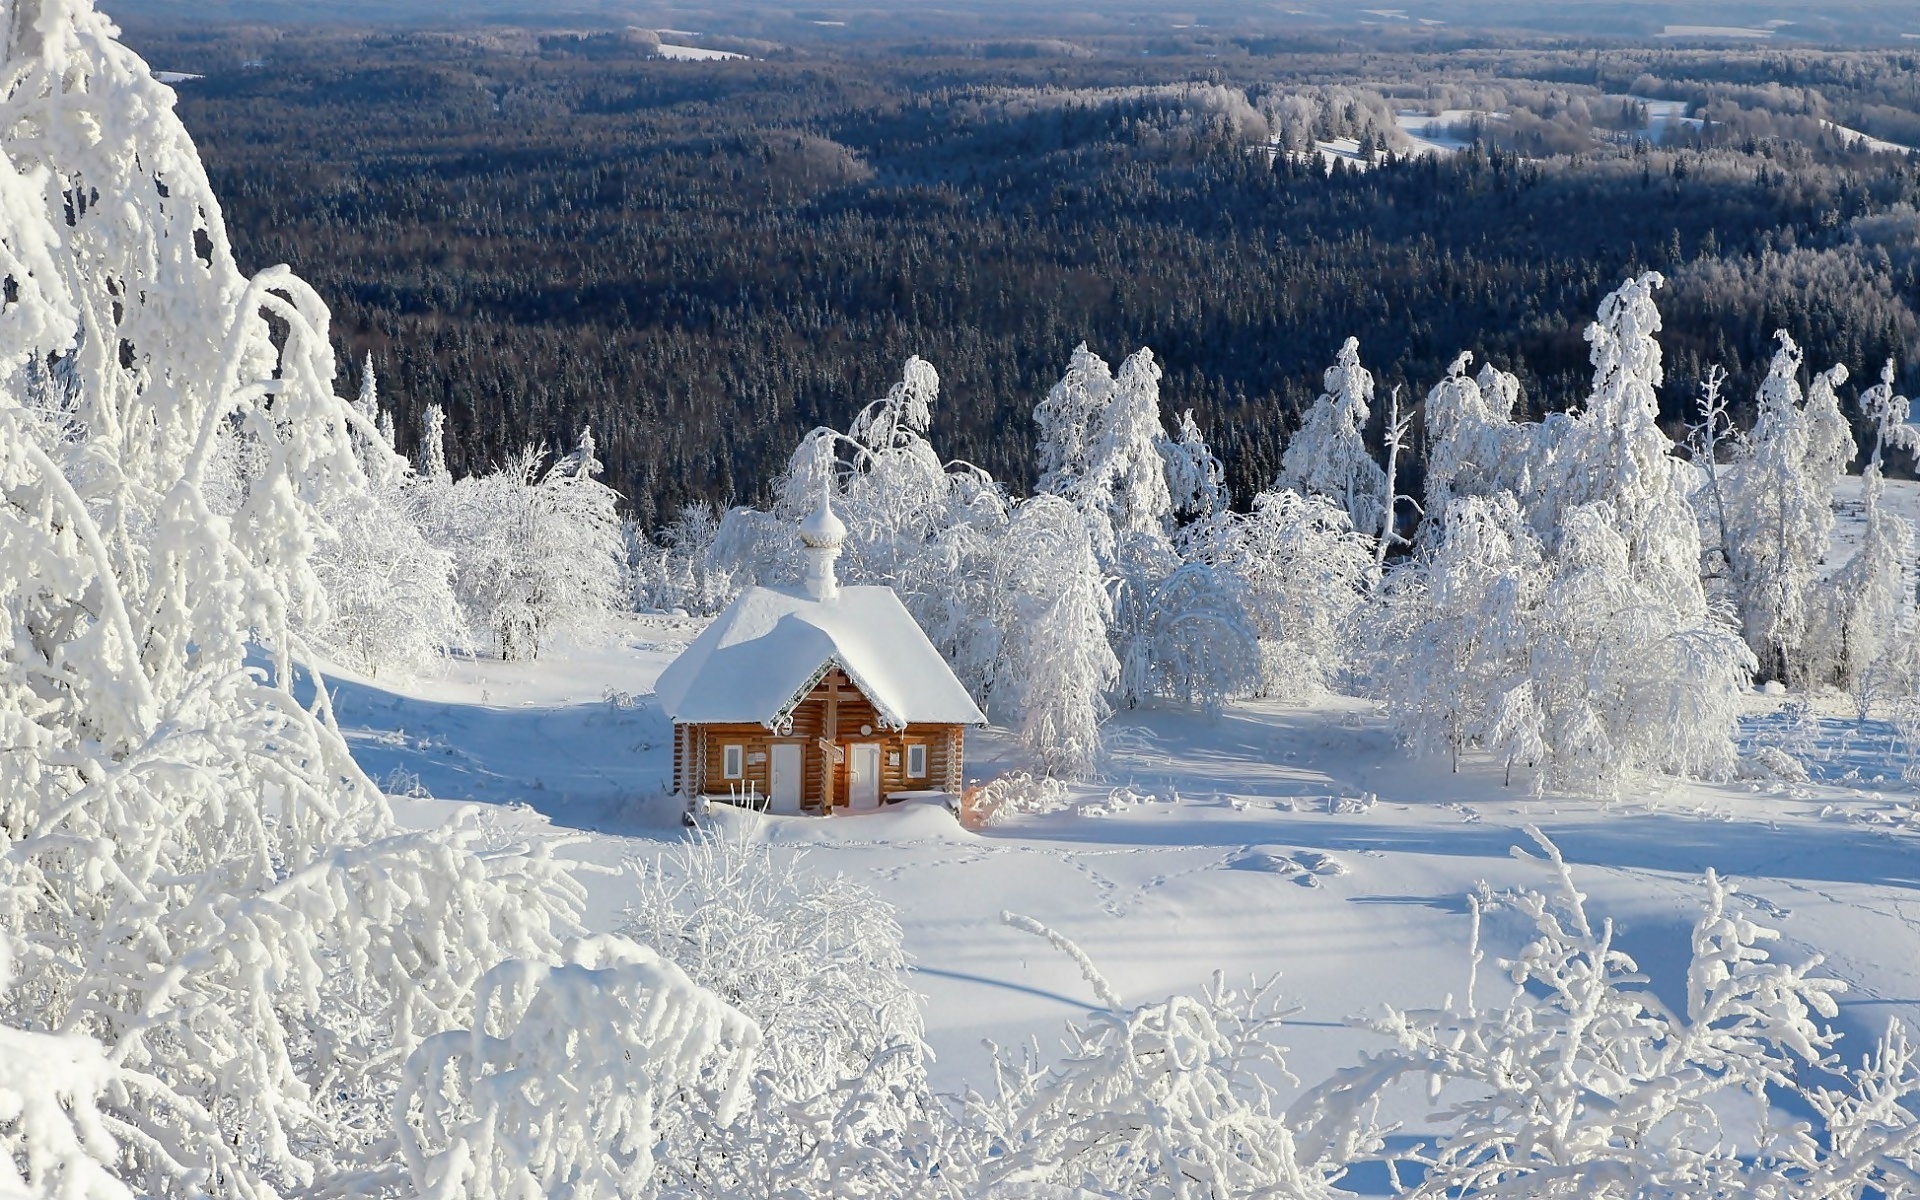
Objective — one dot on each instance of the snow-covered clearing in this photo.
(1433, 133)
(1297, 840)
(693, 53)
(1877, 145)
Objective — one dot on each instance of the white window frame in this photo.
(917, 761)
(733, 762)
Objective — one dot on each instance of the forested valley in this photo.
(703, 260)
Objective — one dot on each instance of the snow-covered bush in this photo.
(840, 1103)
(1166, 1100)
(1014, 794)
(537, 554)
(1586, 1082)
(54, 1140)
(554, 1089)
(1328, 456)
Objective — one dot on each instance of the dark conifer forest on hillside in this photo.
(703, 260)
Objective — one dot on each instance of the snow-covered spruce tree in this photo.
(1586, 1082)
(433, 447)
(538, 554)
(1066, 419)
(193, 870)
(1328, 456)
(1300, 573)
(1171, 1100)
(1781, 514)
(840, 1101)
(1867, 634)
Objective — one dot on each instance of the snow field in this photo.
(1301, 841)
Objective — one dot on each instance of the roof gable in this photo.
(764, 654)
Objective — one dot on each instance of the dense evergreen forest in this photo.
(706, 259)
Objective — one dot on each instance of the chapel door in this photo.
(784, 789)
(863, 775)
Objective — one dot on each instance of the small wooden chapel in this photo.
(816, 698)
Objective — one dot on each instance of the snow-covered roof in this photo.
(765, 653)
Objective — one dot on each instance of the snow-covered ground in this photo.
(1877, 145)
(693, 53)
(1273, 839)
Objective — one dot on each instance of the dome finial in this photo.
(823, 533)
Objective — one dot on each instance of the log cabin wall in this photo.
(835, 711)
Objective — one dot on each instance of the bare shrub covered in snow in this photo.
(1585, 1083)
(1163, 1100)
(840, 1103)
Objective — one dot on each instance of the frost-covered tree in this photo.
(1452, 632)
(1781, 513)
(1328, 456)
(1300, 573)
(677, 569)
(1188, 638)
(390, 600)
(1066, 419)
(1125, 486)
(433, 446)
(1195, 479)
(1867, 634)
(193, 870)
(1474, 446)
(1601, 658)
(538, 554)
(1055, 665)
